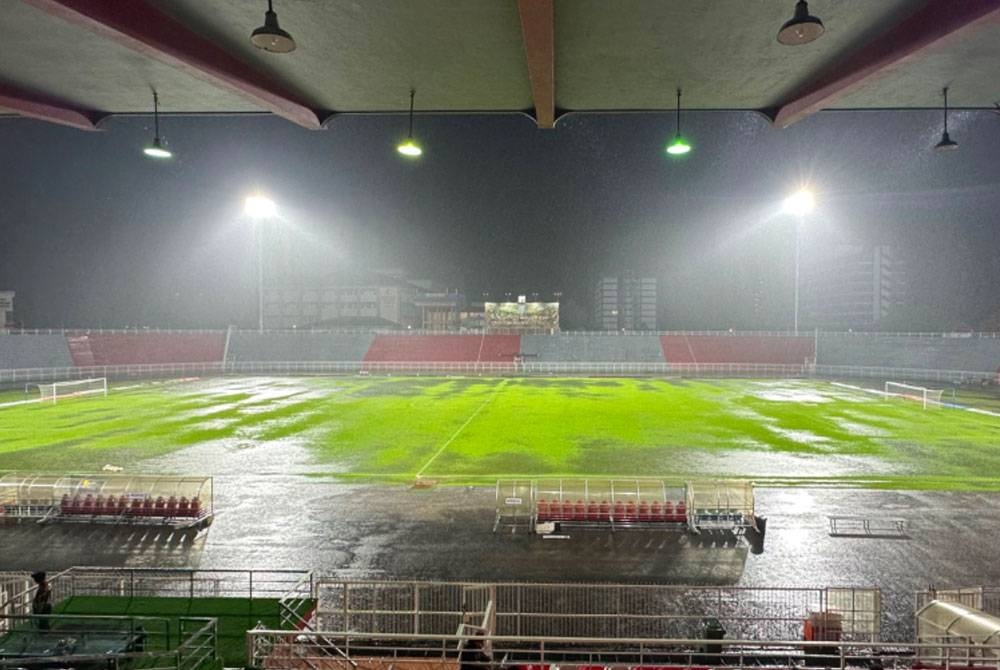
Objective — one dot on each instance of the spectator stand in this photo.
(183, 503)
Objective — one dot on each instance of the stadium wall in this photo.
(97, 349)
(48, 355)
(251, 346)
(33, 351)
(592, 347)
(444, 348)
(739, 348)
(937, 352)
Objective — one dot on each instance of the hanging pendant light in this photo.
(158, 148)
(946, 143)
(409, 147)
(270, 36)
(679, 146)
(802, 28)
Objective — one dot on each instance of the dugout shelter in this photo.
(178, 501)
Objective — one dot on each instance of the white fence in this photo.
(590, 610)
(480, 331)
(372, 651)
(719, 370)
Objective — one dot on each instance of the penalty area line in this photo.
(461, 428)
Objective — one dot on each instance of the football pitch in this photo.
(467, 430)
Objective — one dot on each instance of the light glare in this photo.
(678, 147)
(800, 203)
(154, 151)
(410, 148)
(260, 207)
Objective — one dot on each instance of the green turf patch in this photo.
(475, 429)
(234, 616)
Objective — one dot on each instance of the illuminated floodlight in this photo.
(157, 149)
(410, 148)
(678, 147)
(260, 207)
(800, 203)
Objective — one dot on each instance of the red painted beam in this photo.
(32, 105)
(931, 26)
(150, 32)
(538, 34)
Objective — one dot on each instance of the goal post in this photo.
(925, 396)
(60, 390)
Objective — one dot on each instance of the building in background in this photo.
(851, 286)
(439, 310)
(376, 301)
(6, 309)
(626, 302)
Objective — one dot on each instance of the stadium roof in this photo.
(76, 62)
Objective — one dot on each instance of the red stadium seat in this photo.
(110, 505)
(580, 511)
(656, 511)
(619, 514)
(631, 511)
(147, 507)
(605, 510)
(680, 512)
(160, 507)
(195, 507)
(88, 505)
(644, 511)
(593, 511)
(65, 505)
(541, 510)
(172, 506)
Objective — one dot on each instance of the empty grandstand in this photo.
(53, 356)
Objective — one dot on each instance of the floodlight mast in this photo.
(260, 208)
(798, 204)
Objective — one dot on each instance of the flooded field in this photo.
(471, 430)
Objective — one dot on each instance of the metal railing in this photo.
(493, 331)
(196, 647)
(297, 605)
(567, 368)
(589, 610)
(278, 649)
(181, 582)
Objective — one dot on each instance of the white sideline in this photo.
(19, 402)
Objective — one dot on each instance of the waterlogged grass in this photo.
(462, 430)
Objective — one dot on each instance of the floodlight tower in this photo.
(259, 209)
(798, 204)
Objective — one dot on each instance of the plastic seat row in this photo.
(619, 512)
(128, 506)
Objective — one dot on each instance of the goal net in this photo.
(925, 396)
(78, 387)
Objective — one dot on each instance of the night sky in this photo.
(93, 234)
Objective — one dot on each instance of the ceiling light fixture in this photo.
(158, 149)
(679, 146)
(270, 36)
(409, 147)
(802, 28)
(946, 143)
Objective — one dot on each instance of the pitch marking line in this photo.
(462, 427)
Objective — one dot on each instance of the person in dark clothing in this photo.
(41, 605)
